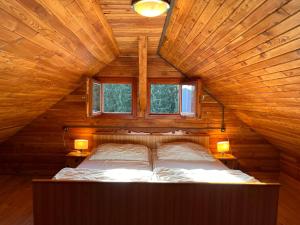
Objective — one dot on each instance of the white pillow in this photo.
(121, 152)
(183, 151)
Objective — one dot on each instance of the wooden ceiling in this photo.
(45, 47)
(247, 52)
(128, 25)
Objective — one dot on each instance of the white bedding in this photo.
(108, 164)
(162, 174)
(111, 175)
(121, 152)
(169, 175)
(181, 164)
(183, 151)
(132, 170)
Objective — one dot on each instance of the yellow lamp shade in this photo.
(80, 144)
(151, 8)
(223, 146)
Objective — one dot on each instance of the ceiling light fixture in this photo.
(151, 8)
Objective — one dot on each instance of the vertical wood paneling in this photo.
(152, 141)
(92, 203)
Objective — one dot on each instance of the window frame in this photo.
(179, 82)
(109, 80)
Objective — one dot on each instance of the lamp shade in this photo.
(80, 144)
(223, 146)
(150, 8)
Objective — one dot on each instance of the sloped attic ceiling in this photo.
(247, 52)
(45, 47)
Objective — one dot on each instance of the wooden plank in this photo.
(58, 202)
(46, 46)
(143, 64)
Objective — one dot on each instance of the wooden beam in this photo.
(142, 97)
(199, 92)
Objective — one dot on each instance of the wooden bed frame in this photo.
(113, 203)
(104, 203)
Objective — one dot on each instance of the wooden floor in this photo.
(16, 201)
(289, 201)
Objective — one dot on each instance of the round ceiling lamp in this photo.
(151, 8)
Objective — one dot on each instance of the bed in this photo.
(156, 191)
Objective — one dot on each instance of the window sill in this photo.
(113, 115)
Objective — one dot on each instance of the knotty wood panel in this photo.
(39, 148)
(45, 48)
(129, 67)
(247, 53)
(128, 25)
(91, 203)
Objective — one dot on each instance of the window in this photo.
(164, 99)
(172, 99)
(112, 97)
(117, 98)
(188, 100)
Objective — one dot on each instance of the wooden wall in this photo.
(247, 53)
(45, 48)
(39, 147)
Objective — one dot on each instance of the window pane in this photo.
(164, 98)
(117, 98)
(96, 97)
(188, 100)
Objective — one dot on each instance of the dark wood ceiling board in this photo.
(73, 42)
(251, 49)
(248, 28)
(75, 19)
(260, 28)
(175, 26)
(45, 49)
(128, 25)
(40, 32)
(213, 16)
(291, 58)
(287, 25)
(264, 38)
(249, 60)
(257, 81)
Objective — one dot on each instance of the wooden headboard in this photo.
(150, 140)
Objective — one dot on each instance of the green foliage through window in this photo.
(164, 98)
(117, 98)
